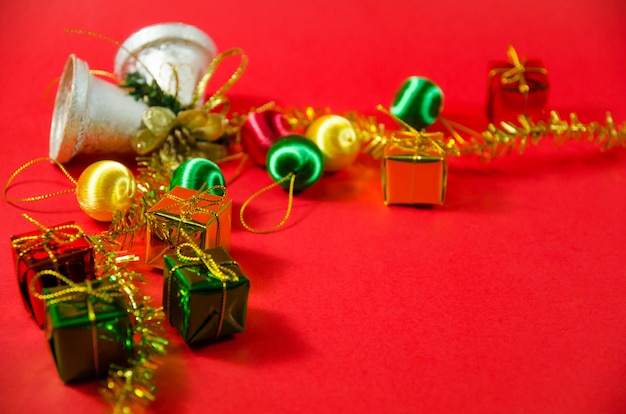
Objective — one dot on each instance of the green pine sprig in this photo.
(150, 93)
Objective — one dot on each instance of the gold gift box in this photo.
(411, 177)
(206, 218)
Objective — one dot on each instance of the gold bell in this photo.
(91, 115)
(174, 54)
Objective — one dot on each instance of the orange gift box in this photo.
(206, 218)
(411, 177)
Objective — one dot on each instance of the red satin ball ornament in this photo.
(260, 131)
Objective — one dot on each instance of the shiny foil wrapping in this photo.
(83, 349)
(505, 101)
(206, 218)
(200, 307)
(410, 177)
(74, 260)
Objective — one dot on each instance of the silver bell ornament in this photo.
(174, 54)
(91, 115)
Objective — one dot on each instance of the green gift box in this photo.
(205, 296)
(87, 333)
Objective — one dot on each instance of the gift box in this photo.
(88, 333)
(413, 176)
(62, 248)
(517, 88)
(205, 217)
(204, 303)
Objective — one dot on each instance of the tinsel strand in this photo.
(131, 388)
(495, 141)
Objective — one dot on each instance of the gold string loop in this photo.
(38, 197)
(292, 180)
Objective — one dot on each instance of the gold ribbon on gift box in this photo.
(516, 73)
(58, 234)
(410, 139)
(107, 292)
(218, 271)
(187, 207)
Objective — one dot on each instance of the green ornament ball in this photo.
(418, 102)
(298, 155)
(198, 173)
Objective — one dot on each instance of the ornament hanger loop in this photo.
(38, 197)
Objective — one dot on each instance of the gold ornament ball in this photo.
(337, 139)
(104, 188)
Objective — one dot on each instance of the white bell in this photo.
(174, 54)
(91, 115)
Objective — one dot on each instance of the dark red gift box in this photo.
(517, 90)
(62, 248)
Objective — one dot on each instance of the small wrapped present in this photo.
(87, 327)
(517, 87)
(205, 217)
(205, 294)
(63, 248)
(413, 173)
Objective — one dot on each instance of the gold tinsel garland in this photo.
(494, 141)
(132, 387)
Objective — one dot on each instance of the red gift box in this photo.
(63, 248)
(517, 88)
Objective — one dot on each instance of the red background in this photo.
(509, 298)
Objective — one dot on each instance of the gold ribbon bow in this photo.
(187, 207)
(75, 291)
(202, 126)
(58, 234)
(516, 73)
(79, 291)
(216, 271)
(420, 142)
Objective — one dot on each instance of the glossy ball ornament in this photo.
(105, 187)
(295, 154)
(260, 131)
(418, 102)
(337, 139)
(197, 173)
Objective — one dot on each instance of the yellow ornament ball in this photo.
(104, 188)
(337, 139)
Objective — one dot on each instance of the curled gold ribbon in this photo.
(516, 73)
(201, 123)
(58, 234)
